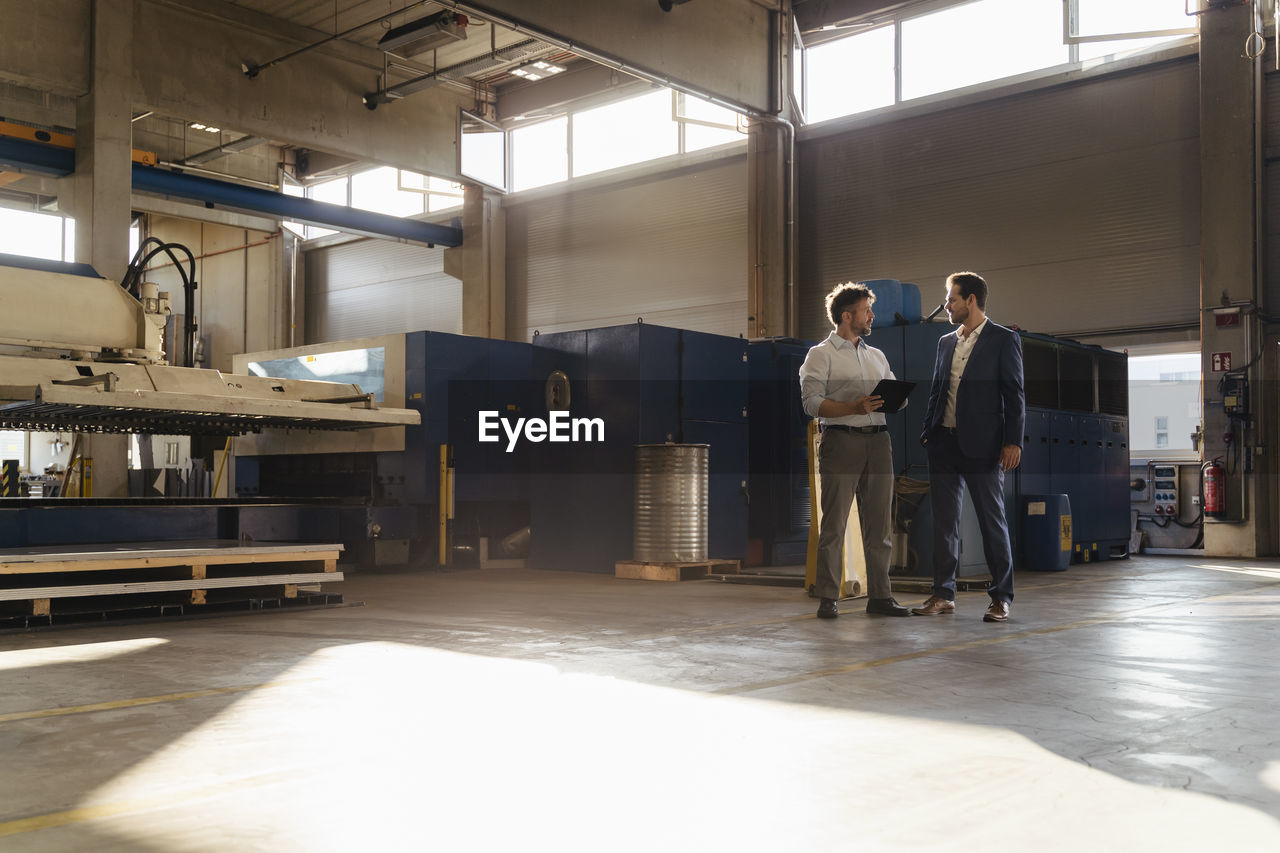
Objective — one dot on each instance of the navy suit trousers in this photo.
(950, 472)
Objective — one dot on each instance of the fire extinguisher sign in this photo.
(1220, 361)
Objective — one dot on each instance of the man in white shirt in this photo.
(855, 458)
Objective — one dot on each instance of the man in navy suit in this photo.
(973, 432)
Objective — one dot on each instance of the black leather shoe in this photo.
(886, 607)
(827, 609)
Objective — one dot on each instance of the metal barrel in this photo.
(671, 503)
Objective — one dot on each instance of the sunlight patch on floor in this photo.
(388, 746)
(80, 653)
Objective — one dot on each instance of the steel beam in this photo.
(280, 206)
(51, 161)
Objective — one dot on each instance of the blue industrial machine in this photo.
(1075, 441)
(644, 383)
(389, 481)
(649, 384)
(779, 482)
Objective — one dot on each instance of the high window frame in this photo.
(1091, 46)
(696, 125)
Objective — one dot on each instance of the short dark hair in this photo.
(844, 296)
(971, 284)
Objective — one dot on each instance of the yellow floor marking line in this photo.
(860, 666)
(145, 700)
(53, 820)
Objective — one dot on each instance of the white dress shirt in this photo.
(964, 348)
(839, 370)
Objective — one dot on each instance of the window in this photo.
(829, 68)
(290, 187)
(13, 445)
(540, 154)
(440, 194)
(702, 123)
(980, 41)
(482, 151)
(797, 69)
(624, 132)
(1111, 20)
(968, 42)
(659, 123)
(1104, 27)
(332, 192)
(379, 190)
(1164, 400)
(34, 235)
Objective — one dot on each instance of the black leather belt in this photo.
(947, 430)
(863, 429)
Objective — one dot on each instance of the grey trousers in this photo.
(855, 464)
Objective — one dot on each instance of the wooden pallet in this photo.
(641, 571)
(173, 573)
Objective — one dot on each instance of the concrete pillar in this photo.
(101, 184)
(97, 193)
(1230, 251)
(481, 263)
(768, 293)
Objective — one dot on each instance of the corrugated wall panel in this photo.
(374, 287)
(671, 248)
(1079, 203)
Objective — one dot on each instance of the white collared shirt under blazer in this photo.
(964, 346)
(839, 370)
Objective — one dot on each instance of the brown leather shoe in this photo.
(997, 612)
(934, 606)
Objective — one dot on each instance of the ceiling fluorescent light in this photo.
(424, 34)
(537, 69)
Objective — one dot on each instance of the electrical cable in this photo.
(133, 285)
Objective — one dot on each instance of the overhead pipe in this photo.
(777, 98)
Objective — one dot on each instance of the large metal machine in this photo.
(83, 354)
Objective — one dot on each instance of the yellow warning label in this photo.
(1066, 532)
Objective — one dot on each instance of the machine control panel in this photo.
(1164, 488)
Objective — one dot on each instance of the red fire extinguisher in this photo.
(1215, 499)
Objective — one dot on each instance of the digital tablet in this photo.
(894, 393)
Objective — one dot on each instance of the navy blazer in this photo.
(991, 406)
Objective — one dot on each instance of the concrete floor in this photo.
(1131, 705)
